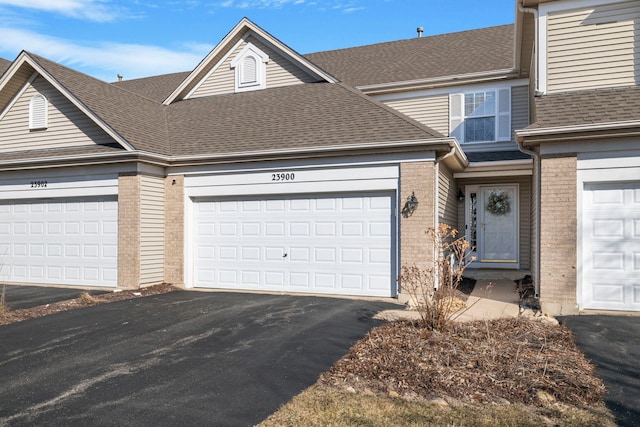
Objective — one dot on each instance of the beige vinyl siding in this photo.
(13, 86)
(519, 109)
(279, 72)
(152, 226)
(447, 197)
(524, 183)
(594, 48)
(432, 111)
(67, 126)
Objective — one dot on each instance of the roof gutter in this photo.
(168, 161)
(521, 134)
(433, 82)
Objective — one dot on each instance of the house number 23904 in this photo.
(284, 176)
(38, 184)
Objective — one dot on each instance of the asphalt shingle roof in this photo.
(587, 107)
(299, 116)
(156, 88)
(4, 65)
(473, 51)
(139, 120)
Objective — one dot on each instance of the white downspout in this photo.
(436, 204)
(534, 12)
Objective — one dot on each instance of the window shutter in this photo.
(249, 70)
(456, 118)
(38, 112)
(504, 115)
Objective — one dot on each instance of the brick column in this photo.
(174, 230)
(415, 246)
(129, 231)
(558, 240)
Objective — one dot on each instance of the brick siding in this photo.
(129, 231)
(174, 230)
(558, 222)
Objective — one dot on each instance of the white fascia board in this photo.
(523, 133)
(97, 120)
(434, 82)
(93, 159)
(396, 145)
(213, 69)
(302, 164)
(216, 50)
(458, 88)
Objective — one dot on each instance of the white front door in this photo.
(320, 244)
(611, 246)
(492, 220)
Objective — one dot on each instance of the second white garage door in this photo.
(611, 247)
(62, 242)
(325, 244)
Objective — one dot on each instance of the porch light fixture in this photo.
(410, 205)
(460, 195)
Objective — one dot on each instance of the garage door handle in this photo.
(284, 256)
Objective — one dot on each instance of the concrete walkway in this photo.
(490, 299)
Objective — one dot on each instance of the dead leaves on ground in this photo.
(506, 360)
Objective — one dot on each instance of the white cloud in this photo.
(105, 60)
(92, 10)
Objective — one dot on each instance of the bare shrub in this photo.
(432, 289)
(88, 299)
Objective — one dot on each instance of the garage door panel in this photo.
(70, 242)
(611, 246)
(325, 245)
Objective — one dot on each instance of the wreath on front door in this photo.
(499, 203)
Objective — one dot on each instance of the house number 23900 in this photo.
(38, 184)
(284, 176)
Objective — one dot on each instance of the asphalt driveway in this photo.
(612, 344)
(18, 296)
(182, 358)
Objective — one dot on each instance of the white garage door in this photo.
(611, 246)
(71, 242)
(330, 245)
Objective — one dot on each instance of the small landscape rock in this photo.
(351, 389)
(393, 394)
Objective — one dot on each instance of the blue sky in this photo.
(141, 38)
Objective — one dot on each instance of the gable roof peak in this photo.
(240, 30)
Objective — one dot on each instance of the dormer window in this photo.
(250, 68)
(38, 112)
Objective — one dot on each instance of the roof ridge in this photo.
(431, 37)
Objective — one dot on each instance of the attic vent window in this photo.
(38, 112)
(250, 68)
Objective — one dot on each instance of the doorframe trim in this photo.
(511, 265)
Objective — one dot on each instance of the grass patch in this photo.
(322, 405)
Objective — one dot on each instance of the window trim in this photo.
(502, 114)
(238, 63)
(38, 120)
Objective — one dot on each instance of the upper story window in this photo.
(481, 116)
(38, 112)
(250, 68)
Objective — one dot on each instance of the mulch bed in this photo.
(507, 360)
(12, 316)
